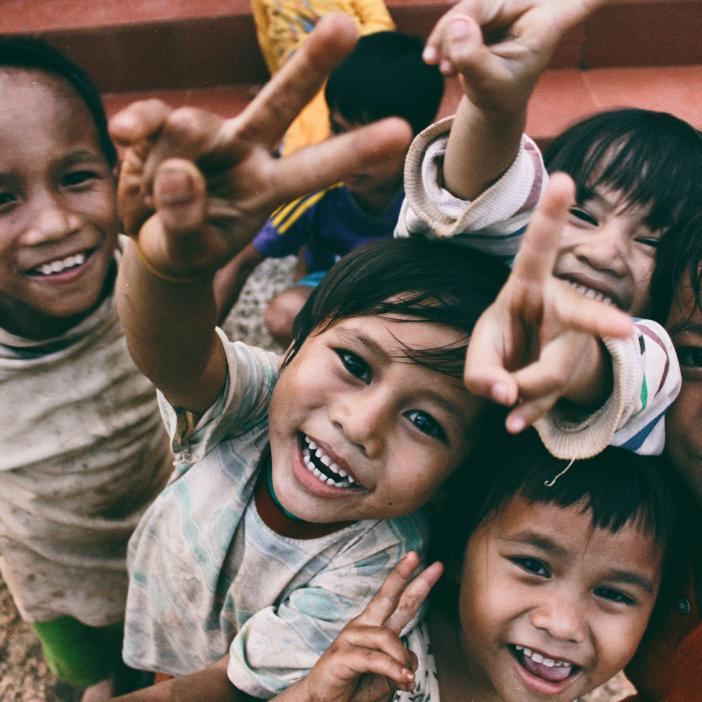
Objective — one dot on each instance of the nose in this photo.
(607, 248)
(51, 220)
(561, 616)
(363, 416)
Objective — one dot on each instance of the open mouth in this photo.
(592, 293)
(551, 670)
(61, 265)
(323, 467)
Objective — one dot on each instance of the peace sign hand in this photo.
(367, 660)
(541, 341)
(195, 188)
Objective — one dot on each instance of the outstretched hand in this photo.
(540, 341)
(195, 188)
(500, 47)
(367, 660)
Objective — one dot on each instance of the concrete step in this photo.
(643, 53)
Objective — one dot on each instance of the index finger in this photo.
(539, 251)
(384, 602)
(266, 118)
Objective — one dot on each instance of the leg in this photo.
(282, 310)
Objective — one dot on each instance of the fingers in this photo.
(539, 249)
(139, 121)
(323, 164)
(485, 373)
(265, 120)
(413, 597)
(379, 639)
(363, 660)
(579, 313)
(179, 196)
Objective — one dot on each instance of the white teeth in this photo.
(307, 450)
(590, 292)
(539, 658)
(61, 264)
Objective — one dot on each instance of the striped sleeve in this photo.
(494, 222)
(646, 382)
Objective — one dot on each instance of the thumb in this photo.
(467, 52)
(180, 196)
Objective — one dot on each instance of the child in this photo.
(82, 449)
(668, 664)
(356, 402)
(634, 170)
(281, 28)
(383, 76)
(550, 584)
(631, 186)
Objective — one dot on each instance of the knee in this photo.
(280, 316)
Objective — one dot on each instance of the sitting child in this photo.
(281, 28)
(383, 76)
(83, 451)
(549, 587)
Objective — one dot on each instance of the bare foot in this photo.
(99, 692)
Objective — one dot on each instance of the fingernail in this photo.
(500, 393)
(459, 29)
(430, 54)
(174, 186)
(445, 66)
(516, 424)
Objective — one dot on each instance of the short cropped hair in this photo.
(411, 280)
(617, 488)
(35, 55)
(385, 76)
(648, 158)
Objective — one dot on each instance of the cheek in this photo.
(618, 638)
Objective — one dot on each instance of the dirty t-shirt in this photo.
(83, 453)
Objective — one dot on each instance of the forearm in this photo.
(170, 332)
(481, 147)
(209, 685)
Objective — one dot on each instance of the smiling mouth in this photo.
(323, 467)
(551, 670)
(592, 293)
(61, 265)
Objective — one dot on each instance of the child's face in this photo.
(550, 607)
(684, 419)
(358, 430)
(58, 222)
(608, 251)
(383, 178)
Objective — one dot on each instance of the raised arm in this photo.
(498, 50)
(194, 189)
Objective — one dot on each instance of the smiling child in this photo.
(551, 579)
(82, 448)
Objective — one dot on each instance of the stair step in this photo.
(136, 45)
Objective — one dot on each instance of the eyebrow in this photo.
(626, 576)
(694, 328)
(533, 538)
(81, 156)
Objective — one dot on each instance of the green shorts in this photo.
(79, 654)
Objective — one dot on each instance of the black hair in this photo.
(616, 487)
(413, 280)
(648, 158)
(35, 55)
(678, 259)
(385, 76)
